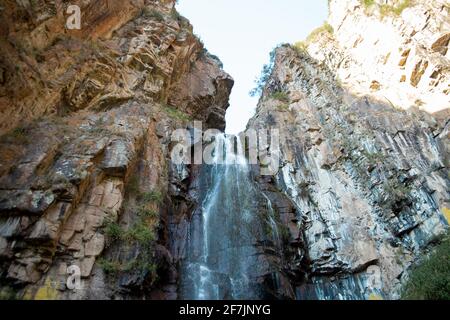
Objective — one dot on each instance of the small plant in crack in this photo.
(280, 96)
(151, 197)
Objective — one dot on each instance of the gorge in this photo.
(360, 196)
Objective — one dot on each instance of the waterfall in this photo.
(222, 259)
(271, 220)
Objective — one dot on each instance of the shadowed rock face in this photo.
(85, 179)
(369, 182)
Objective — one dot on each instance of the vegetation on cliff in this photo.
(430, 280)
(387, 9)
(326, 28)
(264, 77)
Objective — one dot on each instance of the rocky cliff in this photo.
(363, 109)
(86, 117)
(87, 185)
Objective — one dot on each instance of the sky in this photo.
(242, 33)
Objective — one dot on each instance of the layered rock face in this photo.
(86, 184)
(363, 163)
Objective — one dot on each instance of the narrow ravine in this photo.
(94, 205)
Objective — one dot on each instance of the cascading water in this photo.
(223, 259)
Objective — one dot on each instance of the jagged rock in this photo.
(86, 266)
(195, 94)
(117, 158)
(95, 245)
(329, 155)
(48, 227)
(24, 273)
(32, 202)
(441, 44)
(11, 227)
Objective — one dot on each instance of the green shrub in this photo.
(182, 20)
(8, 293)
(20, 135)
(280, 96)
(110, 267)
(154, 14)
(147, 213)
(212, 56)
(175, 14)
(396, 189)
(176, 114)
(430, 280)
(301, 46)
(325, 28)
(387, 9)
(143, 263)
(368, 3)
(396, 195)
(113, 230)
(152, 196)
(140, 233)
(395, 10)
(284, 233)
(147, 266)
(373, 157)
(283, 107)
(264, 76)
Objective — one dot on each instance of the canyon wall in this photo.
(86, 181)
(86, 118)
(363, 109)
